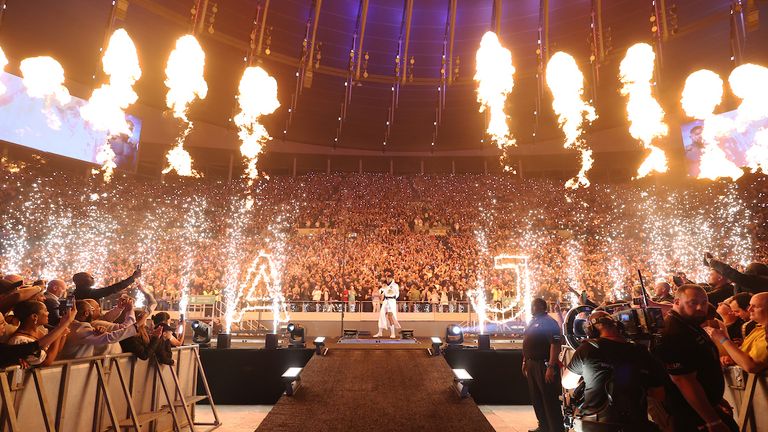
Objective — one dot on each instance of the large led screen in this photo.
(55, 128)
(735, 144)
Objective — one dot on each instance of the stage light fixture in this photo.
(461, 381)
(406, 334)
(350, 334)
(292, 380)
(201, 333)
(320, 348)
(296, 336)
(454, 335)
(436, 344)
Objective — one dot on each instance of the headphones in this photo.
(600, 317)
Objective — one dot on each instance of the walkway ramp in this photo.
(375, 390)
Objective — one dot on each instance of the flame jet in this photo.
(702, 93)
(105, 109)
(646, 117)
(566, 82)
(185, 82)
(495, 79)
(43, 77)
(257, 97)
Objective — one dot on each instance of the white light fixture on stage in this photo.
(461, 380)
(320, 347)
(454, 335)
(296, 336)
(292, 380)
(436, 344)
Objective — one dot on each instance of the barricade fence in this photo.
(748, 394)
(105, 393)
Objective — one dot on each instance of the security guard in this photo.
(541, 347)
(618, 376)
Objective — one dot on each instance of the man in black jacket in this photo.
(54, 293)
(753, 280)
(84, 285)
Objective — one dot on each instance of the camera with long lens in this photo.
(640, 324)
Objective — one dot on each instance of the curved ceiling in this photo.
(73, 31)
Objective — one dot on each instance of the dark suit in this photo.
(52, 304)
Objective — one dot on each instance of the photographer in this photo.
(695, 398)
(618, 376)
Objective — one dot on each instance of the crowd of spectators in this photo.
(331, 236)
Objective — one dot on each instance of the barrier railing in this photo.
(105, 393)
(748, 394)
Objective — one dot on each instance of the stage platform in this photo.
(381, 390)
(250, 375)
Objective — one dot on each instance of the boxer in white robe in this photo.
(388, 311)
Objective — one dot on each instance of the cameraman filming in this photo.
(618, 376)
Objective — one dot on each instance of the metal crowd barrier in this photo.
(748, 394)
(106, 393)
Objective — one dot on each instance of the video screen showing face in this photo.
(48, 126)
(735, 144)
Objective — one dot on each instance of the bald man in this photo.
(752, 356)
(54, 293)
(694, 398)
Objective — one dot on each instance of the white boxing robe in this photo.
(389, 295)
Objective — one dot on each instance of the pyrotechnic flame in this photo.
(749, 82)
(757, 155)
(3, 64)
(702, 93)
(646, 117)
(566, 82)
(258, 97)
(105, 109)
(495, 77)
(184, 76)
(185, 82)
(43, 78)
(180, 160)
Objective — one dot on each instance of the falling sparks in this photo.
(495, 77)
(749, 82)
(702, 93)
(105, 110)
(43, 77)
(258, 97)
(566, 82)
(185, 82)
(646, 117)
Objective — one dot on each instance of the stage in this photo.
(247, 374)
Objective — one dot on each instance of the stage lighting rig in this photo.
(296, 336)
(454, 335)
(201, 333)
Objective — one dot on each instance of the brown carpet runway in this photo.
(375, 390)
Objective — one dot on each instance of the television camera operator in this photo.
(618, 377)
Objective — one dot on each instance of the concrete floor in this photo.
(246, 418)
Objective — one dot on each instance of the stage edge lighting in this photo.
(461, 380)
(296, 336)
(201, 333)
(436, 344)
(292, 380)
(320, 348)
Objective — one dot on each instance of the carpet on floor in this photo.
(376, 390)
